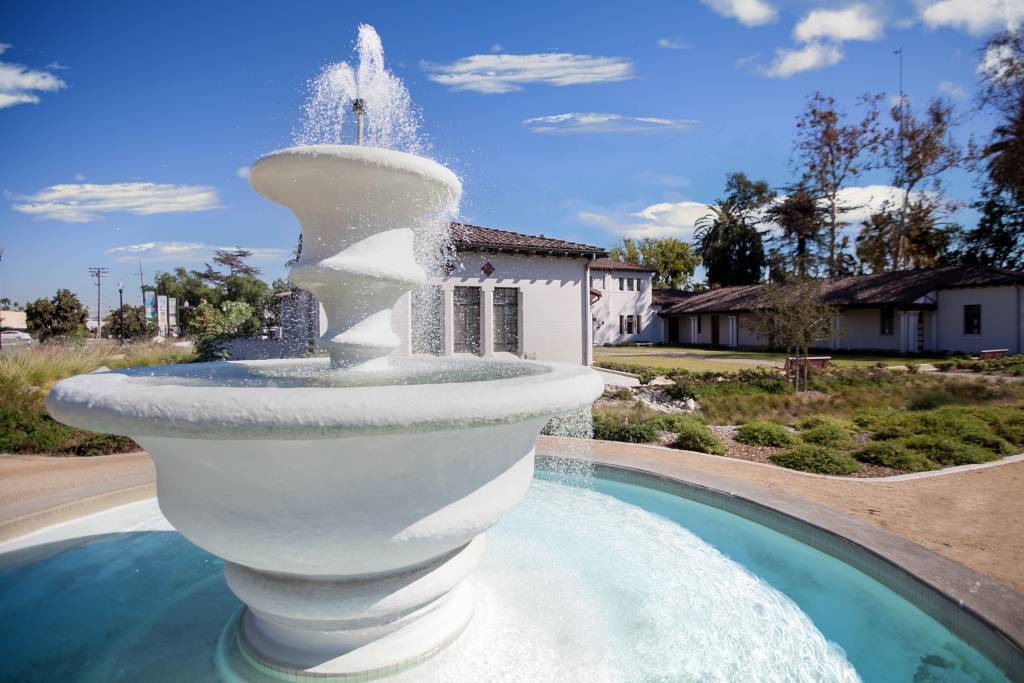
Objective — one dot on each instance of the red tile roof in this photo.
(896, 288)
(476, 238)
(610, 264)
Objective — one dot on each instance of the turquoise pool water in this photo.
(609, 581)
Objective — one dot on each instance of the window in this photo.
(597, 282)
(698, 324)
(630, 324)
(888, 327)
(630, 284)
(466, 319)
(622, 284)
(972, 319)
(506, 319)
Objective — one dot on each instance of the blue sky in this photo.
(124, 125)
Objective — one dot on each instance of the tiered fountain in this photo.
(348, 499)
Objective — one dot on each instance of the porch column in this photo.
(912, 331)
(693, 329)
(733, 331)
(833, 343)
(448, 321)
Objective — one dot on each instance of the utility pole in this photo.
(142, 284)
(903, 166)
(120, 312)
(98, 273)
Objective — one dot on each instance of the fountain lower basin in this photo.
(347, 516)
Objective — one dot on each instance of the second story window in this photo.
(622, 283)
(630, 284)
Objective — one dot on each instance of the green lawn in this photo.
(700, 359)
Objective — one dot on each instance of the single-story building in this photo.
(966, 309)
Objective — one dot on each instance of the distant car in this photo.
(14, 335)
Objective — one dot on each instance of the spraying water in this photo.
(390, 120)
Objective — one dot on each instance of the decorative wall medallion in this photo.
(487, 269)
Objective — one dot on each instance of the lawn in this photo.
(702, 359)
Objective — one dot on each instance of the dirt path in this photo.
(974, 517)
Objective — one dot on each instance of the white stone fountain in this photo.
(348, 500)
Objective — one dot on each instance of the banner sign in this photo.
(172, 314)
(161, 313)
(150, 303)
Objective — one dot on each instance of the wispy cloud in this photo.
(672, 44)
(856, 22)
(559, 124)
(187, 252)
(951, 89)
(502, 73)
(808, 58)
(21, 85)
(665, 219)
(243, 172)
(747, 12)
(977, 17)
(87, 202)
(497, 47)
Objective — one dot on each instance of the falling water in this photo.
(391, 121)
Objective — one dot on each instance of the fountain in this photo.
(349, 501)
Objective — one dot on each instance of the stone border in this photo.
(981, 611)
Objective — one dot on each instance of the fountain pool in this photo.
(604, 581)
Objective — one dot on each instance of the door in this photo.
(714, 330)
(673, 329)
(506, 319)
(466, 317)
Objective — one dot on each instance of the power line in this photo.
(98, 273)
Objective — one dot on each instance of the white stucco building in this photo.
(622, 310)
(967, 309)
(507, 293)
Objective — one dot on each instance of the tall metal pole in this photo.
(903, 166)
(120, 312)
(98, 273)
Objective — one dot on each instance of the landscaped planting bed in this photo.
(857, 422)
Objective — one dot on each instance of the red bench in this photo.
(812, 361)
(993, 353)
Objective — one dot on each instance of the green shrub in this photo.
(760, 433)
(894, 454)
(695, 436)
(927, 399)
(612, 428)
(618, 393)
(818, 459)
(830, 435)
(947, 450)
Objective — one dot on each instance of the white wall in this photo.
(554, 318)
(614, 303)
(1000, 319)
(862, 329)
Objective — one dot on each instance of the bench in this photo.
(812, 361)
(989, 354)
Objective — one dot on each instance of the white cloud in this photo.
(747, 12)
(672, 44)
(79, 177)
(666, 219)
(603, 123)
(951, 89)
(187, 252)
(994, 62)
(501, 73)
(863, 201)
(808, 58)
(86, 202)
(977, 17)
(497, 47)
(243, 172)
(856, 22)
(21, 85)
